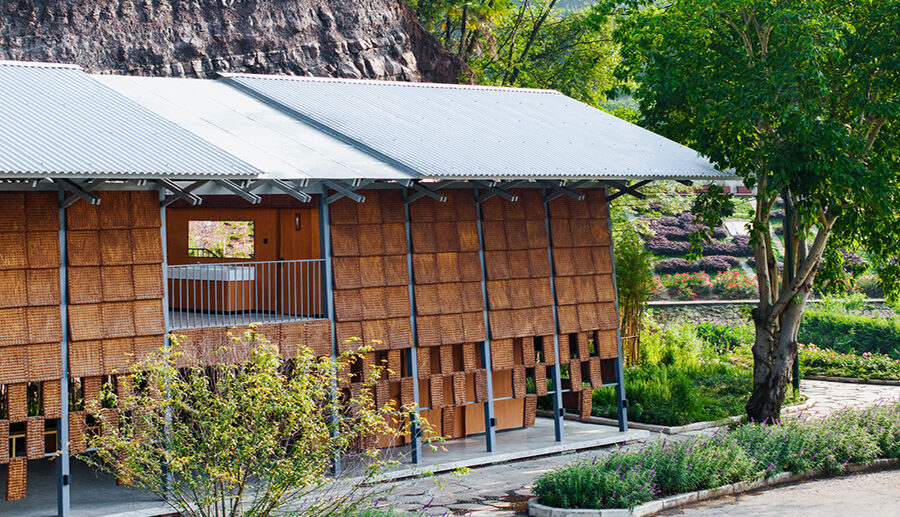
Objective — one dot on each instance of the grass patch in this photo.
(629, 477)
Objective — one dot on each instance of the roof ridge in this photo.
(38, 64)
(377, 82)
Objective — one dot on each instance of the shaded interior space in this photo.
(97, 495)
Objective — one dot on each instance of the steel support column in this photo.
(63, 471)
(328, 293)
(412, 357)
(490, 421)
(169, 479)
(621, 401)
(558, 410)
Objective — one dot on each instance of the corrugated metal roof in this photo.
(272, 141)
(56, 120)
(452, 131)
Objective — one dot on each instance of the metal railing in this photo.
(240, 293)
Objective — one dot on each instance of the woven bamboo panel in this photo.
(395, 365)
(599, 232)
(34, 438)
(423, 238)
(494, 235)
(318, 336)
(369, 212)
(498, 294)
(91, 388)
(540, 380)
(585, 291)
(145, 211)
(371, 272)
(148, 281)
(452, 331)
(348, 305)
(567, 316)
(445, 235)
(473, 327)
(429, 331)
(147, 244)
(116, 248)
(346, 332)
(399, 333)
(43, 287)
(607, 317)
(115, 210)
(124, 386)
(496, 265)
(44, 362)
(520, 293)
(601, 259)
(448, 267)
(519, 386)
(450, 298)
(424, 268)
(519, 264)
(117, 354)
(459, 388)
(516, 235)
(371, 241)
(584, 352)
(12, 251)
(373, 303)
(605, 288)
(528, 351)
(84, 285)
(375, 334)
(397, 302)
(148, 317)
(596, 373)
(561, 233)
(502, 354)
(86, 322)
(446, 354)
(14, 291)
(583, 259)
(117, 283)
(423, 363)
(522, 322)
(436, 390)
(346, 273)
(382, 393)
(541, 295)
(575, 375)
(83, 248)
(563, 262)
(4, 442)
(77, 430)
(588, 317)
(17, 402)
(607, 344)
(16, 474)
(471, 357)
(538, 263)
(448, 422)
(501, 324)
(43, 249)
(396, 272)
(12, 211)
(582, 233)
(587, 402)
(145, 345)
(407, 391)
(565, 350)
(85, 358)
(469, 267)
(43, 324)
(12, 332)
(530, 410)
(472, 299)
(343, 211)
(467, 234)
(549, 356)
(345, 240)
(51, 399)
(394, 239)
(481, 391)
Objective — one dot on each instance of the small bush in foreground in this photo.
(629, 477)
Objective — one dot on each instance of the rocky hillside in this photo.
(377, 39)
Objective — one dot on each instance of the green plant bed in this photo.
(818, 361)
(848, 333)
(629, 477)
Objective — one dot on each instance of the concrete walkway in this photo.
(504, 489)
(860, 495)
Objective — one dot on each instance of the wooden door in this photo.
(301, 282)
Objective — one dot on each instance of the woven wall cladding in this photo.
(4, 442)
(34, 438)
(16, 474)
(530, 410)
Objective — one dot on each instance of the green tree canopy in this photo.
(800, 99)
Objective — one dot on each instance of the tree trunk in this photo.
(773, 355)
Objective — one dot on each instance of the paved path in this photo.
(860, 495)
(503, 489)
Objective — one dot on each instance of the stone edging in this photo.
(536, 509)
(852, 380)
(696, 426)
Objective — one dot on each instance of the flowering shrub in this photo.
(711, 265)
(870, 286)
(629, 477)
(820, 361)
(687, 286)
(660, 245)
(735, 285)
(657, 288)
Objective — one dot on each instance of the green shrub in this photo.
(669, 345)
(724, 338)
(849, 332)
(626, 478)
(818, 361)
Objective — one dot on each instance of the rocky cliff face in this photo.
(378, 39)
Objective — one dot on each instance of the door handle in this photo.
(297, 222)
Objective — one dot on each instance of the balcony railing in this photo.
(239, 293)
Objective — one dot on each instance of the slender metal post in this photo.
(490, 421)
(412, 356)
(558, 410)
(789, 268)
(63, 471)
(621, 401)
(328, 295)
(168, 478)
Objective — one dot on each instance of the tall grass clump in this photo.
(629, 477)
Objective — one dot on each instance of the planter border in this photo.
(536, 509)
(852, 380)
(696, 426)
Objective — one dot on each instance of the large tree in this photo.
(801, 100)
